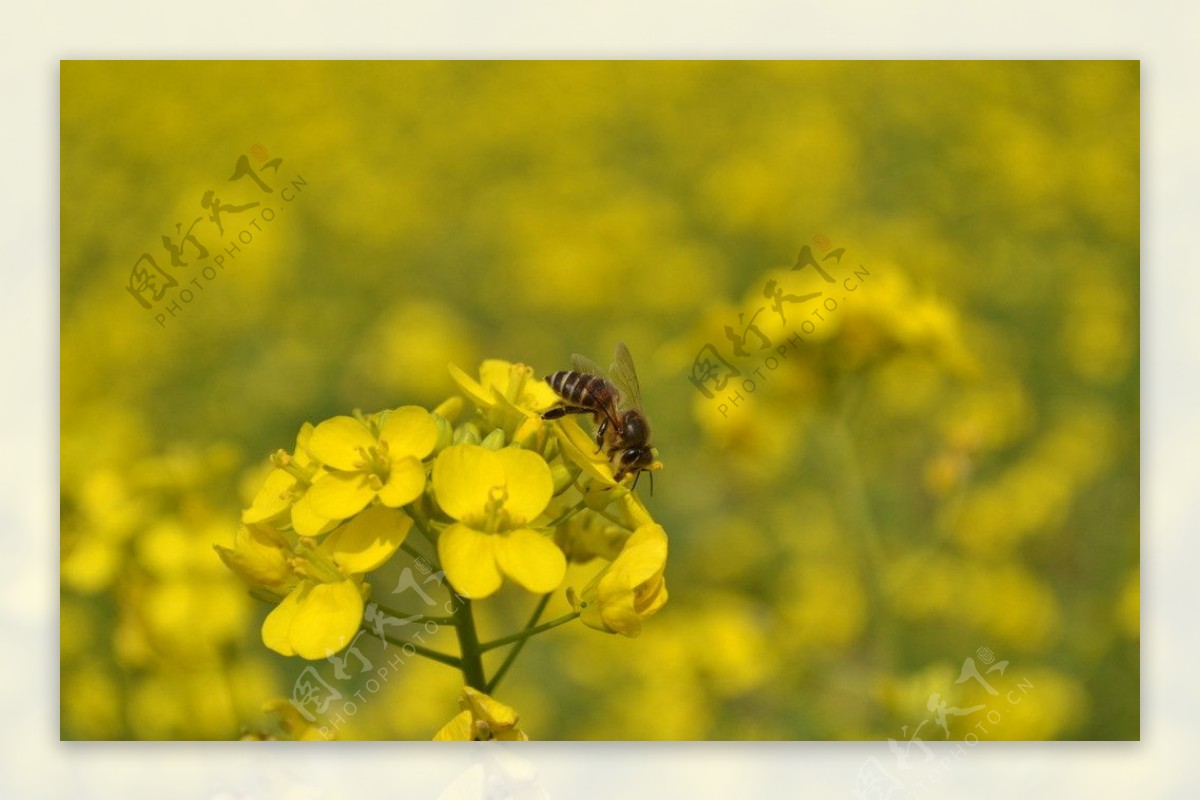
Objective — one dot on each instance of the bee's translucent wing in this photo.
(583, 364)
(624, 376)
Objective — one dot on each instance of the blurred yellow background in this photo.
(943, 472)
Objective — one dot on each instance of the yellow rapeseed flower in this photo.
(482, 718)
(317, 619)
(501, 381)
(494, 495)
(259, 557)
(321, 586)
(284, 489)
(630, 589)
(377, 458)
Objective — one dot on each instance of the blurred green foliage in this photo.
(949, 461)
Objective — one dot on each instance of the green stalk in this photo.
(522, 635)
(396, 613)
(471, 659)
(428, 653)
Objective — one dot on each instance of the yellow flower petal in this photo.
(471, 388)
(469, 559)
(484, 707)
(303, 438)
(459, 728)
(336, 496)
(528, 482)
(637, 512)
(336, 442)
(530, 559)
(326, 619)
(272, 498)
(528, 430)
(451, 407)
(619, 615)
(406, 482)
(276, 628)
(259, 555)
(495, 374)
(539, 396)
(305, 521)
(513, 735)
(644, 555)
(581, 449)
(370, 539)
(630, 589)
(409, 431)
(463, 477)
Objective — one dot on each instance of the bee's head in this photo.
(637, 461)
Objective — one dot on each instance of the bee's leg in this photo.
(600, 429)
(562, 411)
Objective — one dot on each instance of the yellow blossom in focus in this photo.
(482, 718)
(494, 496)
(500, 381)
(283, 491)
(630, 589)
(317, 619)
(322, 612)
(377, 458)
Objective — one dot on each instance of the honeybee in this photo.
(615, 402)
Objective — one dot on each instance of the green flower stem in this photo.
(415, 554)
(512, 655)
(521, 635)
(441, 621)
(565, 516)
(471, 661)
(436, 656)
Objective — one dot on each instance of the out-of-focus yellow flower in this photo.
(377, 458)
(289, 724)
(1034, 703)
(482, 718)
(1129, 605)
(494, 496)
(631, 589)
(91, 701)
(823, 604)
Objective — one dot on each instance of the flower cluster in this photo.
(498, 494)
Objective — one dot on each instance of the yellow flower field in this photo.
(885, 321)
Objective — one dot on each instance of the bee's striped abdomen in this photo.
(580, 389)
